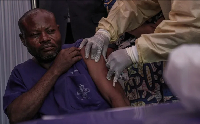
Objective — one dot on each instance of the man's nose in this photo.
(44, 38)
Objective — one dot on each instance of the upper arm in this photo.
(98, 72)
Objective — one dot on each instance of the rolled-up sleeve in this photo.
(127, 15)
(183, 27)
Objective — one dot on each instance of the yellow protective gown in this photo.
(182, 25)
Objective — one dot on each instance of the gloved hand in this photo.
(98, 44)
(119, 60)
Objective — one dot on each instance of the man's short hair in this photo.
(29, 13)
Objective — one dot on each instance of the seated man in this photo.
(56, 80)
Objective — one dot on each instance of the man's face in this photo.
(42, 37)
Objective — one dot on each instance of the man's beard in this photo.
(44, 58)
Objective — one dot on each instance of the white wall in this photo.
(12, 52)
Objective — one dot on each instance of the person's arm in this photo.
(182, 28)
(98, 71)
(25, 106)
(127, 15)
(146, 28)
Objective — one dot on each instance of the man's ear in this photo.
(22, 39)
(58, 26)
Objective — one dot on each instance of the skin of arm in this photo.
(27, 105)
(98, 71)
(146, 28)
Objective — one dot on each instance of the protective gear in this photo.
(133, 54)
(182, 75)
(98, 44)
(181, 25)
(119, 60)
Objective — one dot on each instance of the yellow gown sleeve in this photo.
(183, 27)
(127, 15)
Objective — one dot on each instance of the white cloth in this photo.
(182, 75)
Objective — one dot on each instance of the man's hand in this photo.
(28, 104)
(117, 62)
(98, 44)
(66, 58)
